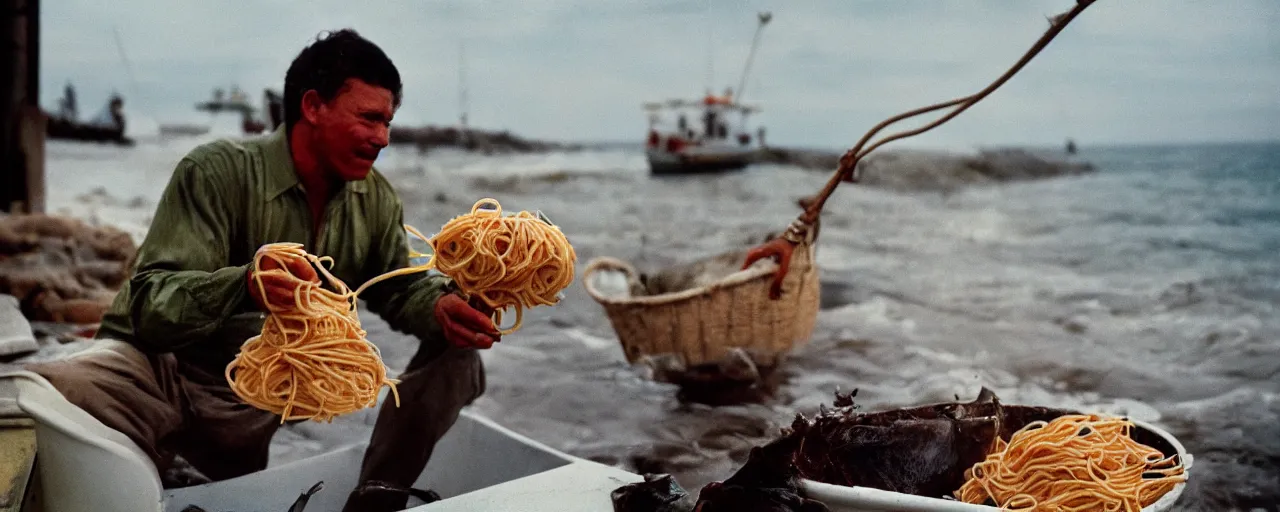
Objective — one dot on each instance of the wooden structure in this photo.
(22, 126)
(18, 476)
(22, 122)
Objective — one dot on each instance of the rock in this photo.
(484, 141)
(910, 170)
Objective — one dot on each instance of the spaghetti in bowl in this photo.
(849, 498)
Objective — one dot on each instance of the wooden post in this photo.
(32, 123)
(22, 123)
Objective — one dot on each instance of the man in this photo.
(191, 303)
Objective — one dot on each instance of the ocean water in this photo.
(1148, 288)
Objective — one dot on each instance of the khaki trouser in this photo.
(169, 408)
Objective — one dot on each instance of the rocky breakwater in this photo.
(937, 170)
(481, 141)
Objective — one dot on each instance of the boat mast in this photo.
(709, 25)
(764, 18)
(464, 133)
(462, 90)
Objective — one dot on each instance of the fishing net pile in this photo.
(62, 269)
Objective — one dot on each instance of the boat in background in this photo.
(718, 141)
(252, 119)
(107, 126)
(710, 147)
(182, 130)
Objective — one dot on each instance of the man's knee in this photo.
(473, 367)
(118, 388)
(456, 375)
(75, 379)
(81, 377)
(481, 383)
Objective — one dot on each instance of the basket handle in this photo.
(605, 263)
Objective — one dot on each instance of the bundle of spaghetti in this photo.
(508, 261)
(1075, 462)
(311, 360)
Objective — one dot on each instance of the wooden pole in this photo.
(22, 122)
(10, 185)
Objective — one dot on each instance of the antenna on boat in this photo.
(764, 18)
(124, 59)
(711, 44)
(462, 88)
(462, 84)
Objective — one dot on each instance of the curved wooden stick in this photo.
(782, 247)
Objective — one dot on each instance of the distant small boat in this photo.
(713, 145)
(182, 130)
(252, 121)
(108, 127)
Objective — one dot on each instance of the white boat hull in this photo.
(478, 465)
(698, 160)
(475, 456)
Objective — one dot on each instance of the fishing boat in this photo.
(182, 130)
(252, 121)
(74, 463)
(716, 141)
(108, 126)
(710, 147)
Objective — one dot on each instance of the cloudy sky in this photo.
(827, 70)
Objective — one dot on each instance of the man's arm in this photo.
(406, 302)
(184, 288)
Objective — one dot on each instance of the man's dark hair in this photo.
(326, 65)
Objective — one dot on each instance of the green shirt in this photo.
(189, 292)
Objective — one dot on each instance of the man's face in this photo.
(351, 128)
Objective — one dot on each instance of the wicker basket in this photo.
(701, 325)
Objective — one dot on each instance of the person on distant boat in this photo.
(709, 98)
(67, 106)
(116, 110)
(157, 374)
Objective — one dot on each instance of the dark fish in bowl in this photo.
(657, 493)
(923, 451)
(767, 482)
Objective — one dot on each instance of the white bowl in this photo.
(841, 498)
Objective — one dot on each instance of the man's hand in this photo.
(465, 325)
(279, 289)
